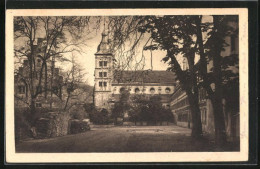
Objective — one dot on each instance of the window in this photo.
(38, 105)
(102, 63)
(21, 89)
(122, 89)
(105, 84)
(100, 74)
(100, 84)
(167, 90)
(152, 90)
(137, 90)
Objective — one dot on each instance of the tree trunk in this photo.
(193, 99)
(32, 106)
(216, 96)
(67, 100)
(195, 116)
(220, 129)
(46, 80)
(33, 112)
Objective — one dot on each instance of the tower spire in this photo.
(104, 26)
(104, 47)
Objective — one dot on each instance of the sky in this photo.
(87, 58)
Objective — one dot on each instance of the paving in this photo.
(120, 139)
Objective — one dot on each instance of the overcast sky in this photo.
(87, 58)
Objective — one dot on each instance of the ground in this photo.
(121, 139)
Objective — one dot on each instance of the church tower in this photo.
(103, 73)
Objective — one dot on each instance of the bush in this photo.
(78, 112)
(78, 126)
(22, 124)
(99, 117)
(150, 110)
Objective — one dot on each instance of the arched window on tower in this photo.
(137, 90)
(167, 90)
(152, 90)
(122, 89)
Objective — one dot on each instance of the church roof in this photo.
(104, 46)
(144, 76)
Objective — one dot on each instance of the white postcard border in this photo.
(13, 157)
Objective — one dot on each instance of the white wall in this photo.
(143, 89)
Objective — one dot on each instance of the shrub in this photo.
(78, 112)
(99, 117)
(22, 124)
(149, 109)
(78, 126)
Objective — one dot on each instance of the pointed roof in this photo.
(104, 46)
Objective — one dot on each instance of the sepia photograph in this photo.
(140, 83)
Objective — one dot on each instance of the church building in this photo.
(109, 82)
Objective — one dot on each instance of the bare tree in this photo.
(60, 35)
(75, 85)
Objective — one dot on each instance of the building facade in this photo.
(181, 109)
(180, 104)
(109, 83)
(24, 78)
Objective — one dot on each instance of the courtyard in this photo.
(121, 139)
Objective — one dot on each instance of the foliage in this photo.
(150, 110)
(177, 36)
(78, 112)
(99, 117)
(22, 124)
(121, 106)
(188, 36)
(78, 126)
(231, 95)
(89, 107)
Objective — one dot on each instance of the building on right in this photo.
(179, 101)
